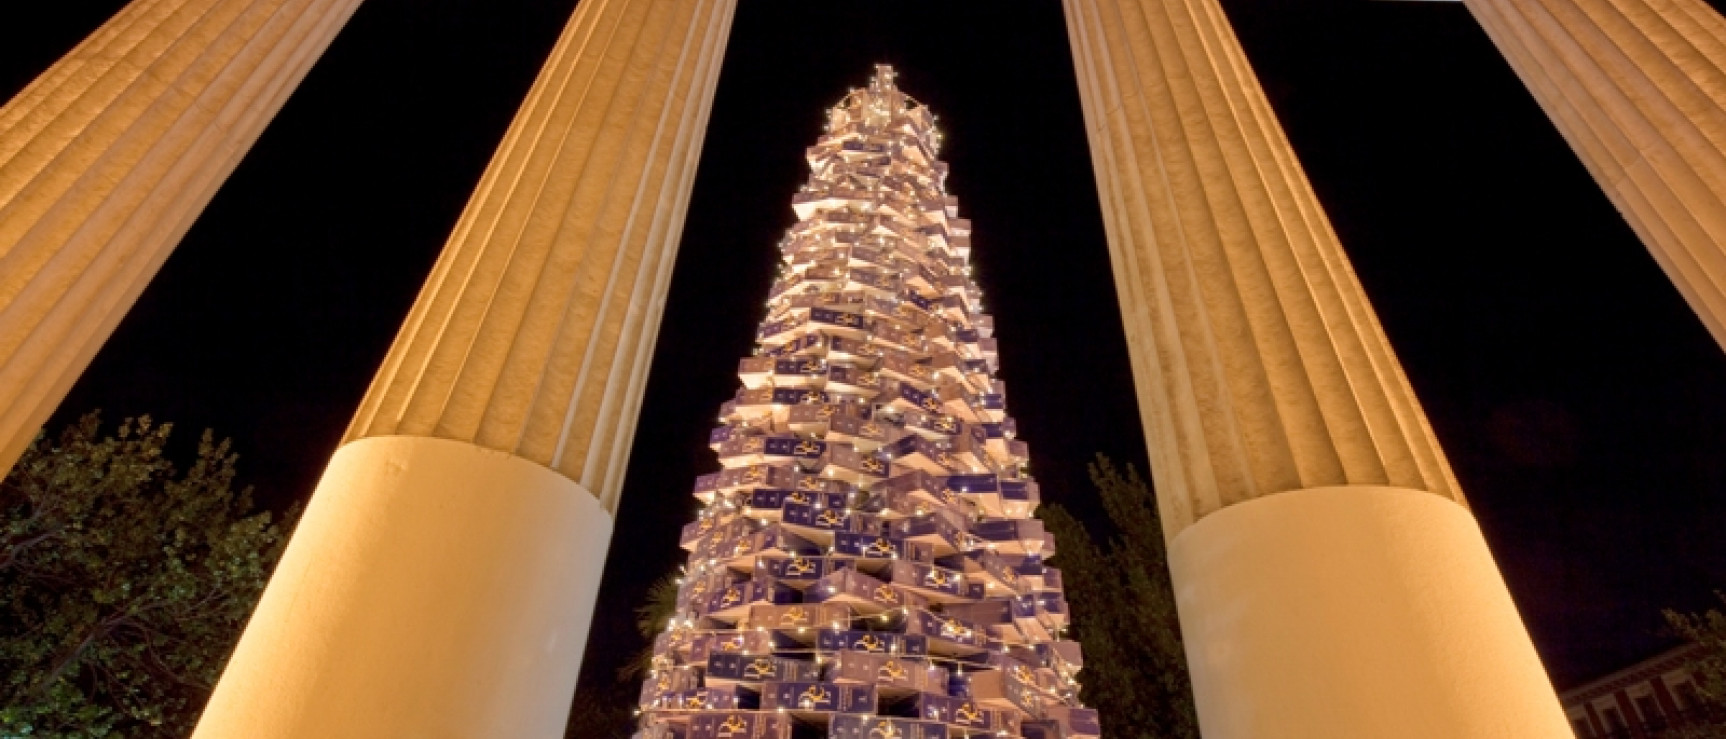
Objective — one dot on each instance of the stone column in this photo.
(1330, 578)
(108, 157)
(1638, 88)
(443, 578)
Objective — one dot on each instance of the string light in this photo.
(873, 201)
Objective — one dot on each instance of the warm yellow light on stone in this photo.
(443, 581)
(533, 333)
(1638, 88)
(107, 159)
(433, 588)
(1264, 380)
(1371, 611)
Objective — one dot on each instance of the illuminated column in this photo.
(108, 157)
(1637, 87)
(443, 578)
(1330, 579)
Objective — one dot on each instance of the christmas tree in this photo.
(866, 564)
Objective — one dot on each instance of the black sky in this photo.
(1582, 404)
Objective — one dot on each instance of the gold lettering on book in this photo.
(733, 724)
(885, 730)
(952, 627)
(815, 695)
(967, 713)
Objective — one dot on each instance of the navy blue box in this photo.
(757, 668)
(817, 696)
(852, 726)
(873, 642)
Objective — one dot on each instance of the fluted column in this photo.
(443, 578)
(107, 159)
(1330, 579)
(1638, 88)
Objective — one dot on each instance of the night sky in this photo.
(1582, 404)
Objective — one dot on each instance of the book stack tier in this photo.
(866, 564)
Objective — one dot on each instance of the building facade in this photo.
(866, 563)
(1640, 701)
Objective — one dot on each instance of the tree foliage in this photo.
(124, 583)
(651, 618)
(1124, 611)
(1708, 667)
(603, 709)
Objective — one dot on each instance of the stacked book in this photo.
(866, 564)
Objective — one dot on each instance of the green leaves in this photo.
(1124, 611)
(1708, 667)
(123, 583)
(651, 618)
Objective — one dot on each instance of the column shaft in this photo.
(1262, 372)
(1638, 88)
(110, 155)
(1260, 365)
(444, 579)
(533, 332)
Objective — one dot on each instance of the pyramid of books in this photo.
(866, 565)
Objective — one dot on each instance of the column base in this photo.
(433, 589)
(1354, 611)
